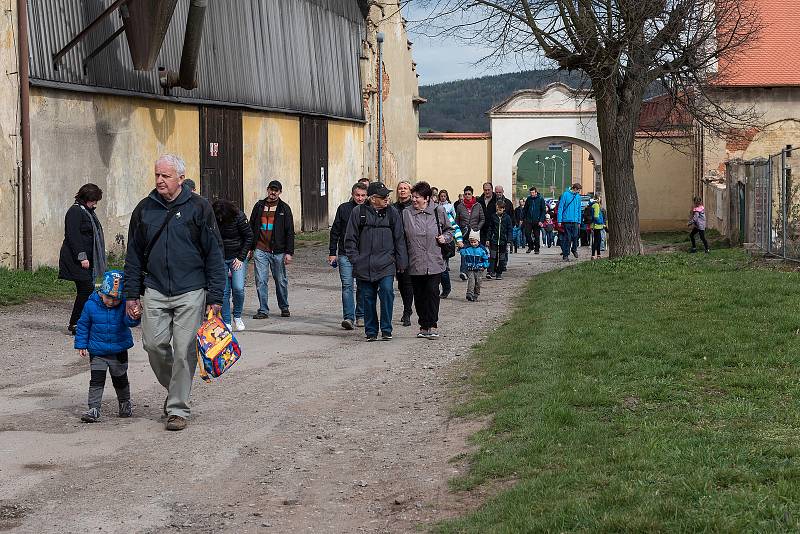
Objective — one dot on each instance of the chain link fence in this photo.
(764, 202)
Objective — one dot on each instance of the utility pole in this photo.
(379, 38)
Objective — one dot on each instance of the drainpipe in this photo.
(379, 38)
(25, 133)
(186, 78)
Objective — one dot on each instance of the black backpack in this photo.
(588, 215)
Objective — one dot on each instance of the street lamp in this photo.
(551, 158)
(379, 38)
(538, 162)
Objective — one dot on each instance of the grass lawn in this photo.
(20, 286)
(648, 394)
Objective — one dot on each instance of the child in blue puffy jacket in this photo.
(104, 335)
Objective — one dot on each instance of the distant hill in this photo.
(461, 106)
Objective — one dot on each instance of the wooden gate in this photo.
(314, 173)
(221, 166)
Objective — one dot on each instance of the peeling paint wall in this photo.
(271, 152)
(345, 162)
(10, 149)
(112, 141)
(401, 118)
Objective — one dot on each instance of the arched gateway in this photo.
(535, 119)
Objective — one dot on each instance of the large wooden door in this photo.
(221, 166)
(314, 172)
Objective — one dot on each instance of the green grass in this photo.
(17, 287)
(646, 394)
(680, 240)
(320, 236)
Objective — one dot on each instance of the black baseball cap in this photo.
(378, 188)
(275, 184)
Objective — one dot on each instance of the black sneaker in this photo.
(92, 415)
(444, 295)
(125, 409)
(575, 253)
(498, 277)
(261, 315)
(405, 320)
(489, 276)
(386, 337)
(535, 251)
(372, 338)
(529, 251)
(285, 313)
(463, 276)
(347, 324)
(470, 298)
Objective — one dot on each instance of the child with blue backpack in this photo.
(103, 333)
(476, 259)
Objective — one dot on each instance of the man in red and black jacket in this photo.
(273, 248)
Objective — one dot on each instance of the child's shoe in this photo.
(498, 277)
(91, 416)
(470, 298)
(125, 409)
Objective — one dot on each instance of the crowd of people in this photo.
(187, 258)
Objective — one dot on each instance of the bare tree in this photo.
(622, 47)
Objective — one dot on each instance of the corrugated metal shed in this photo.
(297, 56)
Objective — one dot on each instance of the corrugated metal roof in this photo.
(294, 55)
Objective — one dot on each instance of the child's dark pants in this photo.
(117, 365)
(702, 233)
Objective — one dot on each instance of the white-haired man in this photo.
(173, 274)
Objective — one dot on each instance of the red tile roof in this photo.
(773, 60)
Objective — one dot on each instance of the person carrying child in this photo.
(103, 333)
(498, 236)
(698, 224)
(476, 260)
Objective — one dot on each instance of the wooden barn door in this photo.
(221, 166)
(314, 173)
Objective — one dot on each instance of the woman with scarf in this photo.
(83, 253)
(469, 218)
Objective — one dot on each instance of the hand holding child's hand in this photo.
(83, 353)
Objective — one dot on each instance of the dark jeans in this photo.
(446, 285)
(372, 291)
(702, 233)
(532, 233)
(117, 366)
(569, 239)
(597, 240)
(498, 259)
(84, 290)
(548, 238)
(426, 299)
(406, 292)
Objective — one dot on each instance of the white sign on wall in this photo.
(322, 185)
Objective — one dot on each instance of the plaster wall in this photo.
(112, 141)
(400, 114)
(664, 182)
(345, 162)
(271, 151)
(10, 149)
(454, 163)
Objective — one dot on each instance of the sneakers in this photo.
(229, 326)
(405, 320)
(566, 258)
(470, 298)
(434, 334)
(463, 276)
(360, 322)
(261, 315)
(175, 422)
(489, 276)
(535, 251)
(424, 334)
(692, 250)
(238, 324)
(92, 415)
(285, 313)
(529, 251)
(372, 338)
(444, 295)
(575, 253)
(386, 337)
(347, 324)
(498, 277)
(125, 408)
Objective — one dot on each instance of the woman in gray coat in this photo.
(426, 228)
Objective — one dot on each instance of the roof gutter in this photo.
(25, 133)
(187, 77)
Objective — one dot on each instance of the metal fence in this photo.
(765, 203)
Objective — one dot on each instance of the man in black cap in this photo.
(273, 248)
(376, 246)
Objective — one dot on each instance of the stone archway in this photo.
(591, 181)
(530, 117)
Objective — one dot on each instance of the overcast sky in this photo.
(446, 59)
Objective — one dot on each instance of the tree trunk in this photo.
(617, 135)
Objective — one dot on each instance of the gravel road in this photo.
(314, 430)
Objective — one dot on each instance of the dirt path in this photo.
(314, 430)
